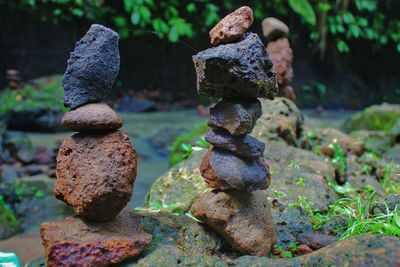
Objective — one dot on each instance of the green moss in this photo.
(46, 95)
(9, 225)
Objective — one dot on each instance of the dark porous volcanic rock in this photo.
(74, 242)
(92, 117)
(222, 170)
(92, 67)
(232, 27)
(242, 69)
(95, 174)
(244, 220)
(237, 116)
(245, 146)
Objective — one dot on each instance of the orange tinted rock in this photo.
(92, 117)
(95, 174)
(244, 220)
(74, 242)
(232, 27)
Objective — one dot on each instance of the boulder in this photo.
(95, 173)
(244, 220)
(244, 146)
(280, 120)
(232, 27)
(92, 117)
(236, 116)
(74, 242)
(92, 67)
(224, 171)
(274, 29)
(241, 69)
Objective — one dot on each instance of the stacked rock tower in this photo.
(238, 70)
(96, 167)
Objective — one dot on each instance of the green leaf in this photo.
(398, 48)
(135, 18)
(304, 9)
(342, 47)
(191, 8)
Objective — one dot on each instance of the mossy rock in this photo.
(9, 225)
(375, 118)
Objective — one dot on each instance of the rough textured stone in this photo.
(282, 57)
(393, 155)
(243, 220)
(235, 115)
(241, 69)
(92, 117)
(92, 67)
(232, 27)
(245, 146)
(74, 242)
(274, 29)
(280, 120)
(316, 241)
(222, 170)
(95, 173)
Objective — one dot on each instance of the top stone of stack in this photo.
(92, 67)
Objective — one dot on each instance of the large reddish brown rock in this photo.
(95, 173)
(282, 57)
(75, 242)
(223, 170)
(92, 117)
(232, 27)
(244, 220)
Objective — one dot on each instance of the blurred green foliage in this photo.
(341, 22)
(46, 94)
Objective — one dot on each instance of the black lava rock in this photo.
(92, 67)
(245, 146)
(242, 69)
(237, 116)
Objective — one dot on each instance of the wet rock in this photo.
(274, 29)
(72, 241)
(232, 27)
(9, 175)
(95, 174)
(316, 241)
(92, 67)
(21, 148)
(236, 116)
(222, 170)
(163, 138)
(280, 120)
(35, 120)
(43, 156)
(130, 103)
(282, 57)
(245, 146)
(374, 118)
(243, 220)
(92, 117)
(241, 69)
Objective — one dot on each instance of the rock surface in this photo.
(241, 69)
(92, 117)
(274, 29)
(74, 242)
(95, 174)
(243, 220)
(236, 116)
(316, 241)
(232, 27)
(224, 171)
(245, 146)
(92, 67)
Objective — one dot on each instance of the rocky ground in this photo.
(314, 169)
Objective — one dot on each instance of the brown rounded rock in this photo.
(232, 27)
(244, 220)
(225, 171)
(74, 242)
(95, 174)
(92, 117)
(274, 29)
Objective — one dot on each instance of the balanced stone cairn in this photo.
(96, 167)
(278, 47)
(238, 70)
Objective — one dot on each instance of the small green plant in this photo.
(388, 184)
(300, 181)
(307, 206)
(339, 157)
(294, 165)
(156, 207)
(283, 252)
(279, 194)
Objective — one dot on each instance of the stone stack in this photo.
(276, 33)
(96, 167)
(238, 70)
